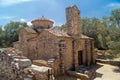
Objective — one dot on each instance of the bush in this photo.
(116, 53)
(95, 49)
(109, 51)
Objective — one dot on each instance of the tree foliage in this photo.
(105, 31)
(9, 33)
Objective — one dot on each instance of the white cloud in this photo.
(7, 17)
(29, 23)
(113, 5)
(22, 20)
(12, 2)
(57, 24)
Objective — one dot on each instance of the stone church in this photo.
(69, 49)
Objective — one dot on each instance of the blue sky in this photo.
(28, 10)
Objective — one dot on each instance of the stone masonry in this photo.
(68, 50)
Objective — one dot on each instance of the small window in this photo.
(62, 43)
(41, 27)
(48, 26)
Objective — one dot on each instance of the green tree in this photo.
(115, 17)
(1, 36)
(11, 31)
(63, 27)
(105, 31)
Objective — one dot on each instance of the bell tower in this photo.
(73, 21)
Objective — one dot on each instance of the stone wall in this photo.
(47, 45)
(111, 62)
(14, 66)
(86, 46)
(32, 50)
(78, 75)
(73, 21)
(68, 56)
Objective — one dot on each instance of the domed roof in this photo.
(42, 19)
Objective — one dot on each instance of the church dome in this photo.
(42, 23)
(42, 19)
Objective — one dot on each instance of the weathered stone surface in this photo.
(23, 62)
(78, 75)
(41, 72)
(20, 68)
(73, 21)
(69, 49)
(40, 62)
(42, 23)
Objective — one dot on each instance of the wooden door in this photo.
(80, 57)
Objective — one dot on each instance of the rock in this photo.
(41, 72)
(40, 62)
(23, 62)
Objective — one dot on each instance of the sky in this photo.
(28, 10)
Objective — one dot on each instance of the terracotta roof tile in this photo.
(29, 30)
(56, 31)
(85, 37)
(42, 19)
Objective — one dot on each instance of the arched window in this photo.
(62, 43)
(48, 26)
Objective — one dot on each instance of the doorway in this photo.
(80, 57)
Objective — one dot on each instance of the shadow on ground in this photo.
(97, 66)
(93, 67)
(117, 70)
(66, 77)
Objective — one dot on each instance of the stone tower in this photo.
(73, 21)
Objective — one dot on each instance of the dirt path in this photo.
(107, 72)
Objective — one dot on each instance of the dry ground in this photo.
(103, 72)
(107, 72)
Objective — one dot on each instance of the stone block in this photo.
(23, 62)
(40, 62)
(41, 72)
